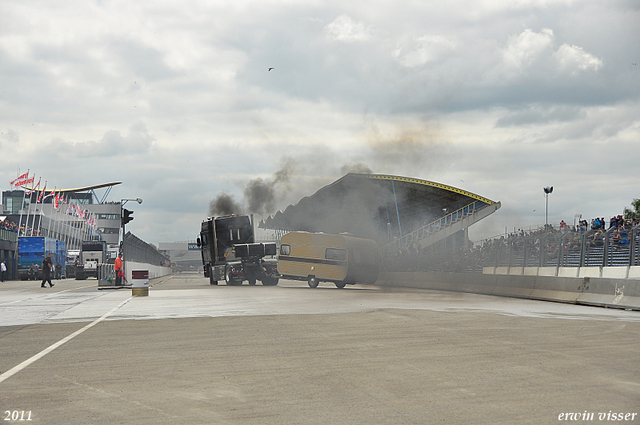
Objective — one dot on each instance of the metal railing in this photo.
(434, 226)
(593, 248)
(137, 250)
(8, 235)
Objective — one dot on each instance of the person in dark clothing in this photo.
(46, 271)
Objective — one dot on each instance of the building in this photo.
(397, 212)
(71, 215)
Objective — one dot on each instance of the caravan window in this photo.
(285, 249)
(335, 254)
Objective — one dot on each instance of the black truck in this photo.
(229, 252)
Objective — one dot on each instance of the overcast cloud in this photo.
(175, 100)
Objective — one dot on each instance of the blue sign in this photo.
(192, 246)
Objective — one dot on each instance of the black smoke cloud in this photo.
(224, 204)
(260, 195)
(356, 167)
(401, 149)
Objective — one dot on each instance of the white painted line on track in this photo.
(41, 296)
(49, 349)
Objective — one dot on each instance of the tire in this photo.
(211, 280)
(252, 281)
(313, 282)
(270, 281)
(340, 285)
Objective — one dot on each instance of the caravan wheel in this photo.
(313, 282)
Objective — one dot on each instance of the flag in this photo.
(17, 179)
(50, 195)
(42, 193)
(56, 201)
(32, 190)
(25, 182)
(22, 180)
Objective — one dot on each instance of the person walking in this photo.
(46, 271)
(3, 270)
(117, 267)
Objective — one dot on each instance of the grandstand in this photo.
(397, 212)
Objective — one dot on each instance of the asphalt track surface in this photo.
(191, 353)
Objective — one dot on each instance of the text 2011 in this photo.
(17, 415)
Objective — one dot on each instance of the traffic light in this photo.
(127, 216)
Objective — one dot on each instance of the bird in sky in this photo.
(271, 69)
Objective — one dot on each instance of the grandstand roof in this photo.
(373, 206)
(77, 189)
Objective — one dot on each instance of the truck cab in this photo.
(229, 252)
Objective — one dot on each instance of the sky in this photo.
(175, 100)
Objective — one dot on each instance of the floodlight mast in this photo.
(547, 191)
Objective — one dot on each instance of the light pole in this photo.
(547, 191)
(125, 217)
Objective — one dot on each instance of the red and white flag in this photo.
(42, 193)
(17, 180)
(32, 190)
(50, 195)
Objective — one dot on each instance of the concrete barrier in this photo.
(568, 271)
(547, 271)
(590, 272)
(597, 291)
(502, 270)
(617, 272)
(154, 271)
(634, 272)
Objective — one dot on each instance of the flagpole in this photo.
(15, 251)
(26, 226)
(56, 223)
(78, 231)
(36, 208)
(22, 207)
(68, 226)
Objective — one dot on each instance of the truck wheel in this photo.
(340, 285)
(252, 281)
(270, 281)
(313, 282)
(211, 280)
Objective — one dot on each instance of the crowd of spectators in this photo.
(546, 241)
(7, 224)
(22, 230)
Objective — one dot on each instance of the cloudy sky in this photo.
(175, 100)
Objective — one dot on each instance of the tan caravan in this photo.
(320, 257)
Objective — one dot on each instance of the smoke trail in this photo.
(356, 167)
(261, 195)
(224, 204)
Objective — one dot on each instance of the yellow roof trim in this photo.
(432, 184)
(78, 189)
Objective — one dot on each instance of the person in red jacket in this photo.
(118, 269)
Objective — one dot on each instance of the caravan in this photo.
(321, 257)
